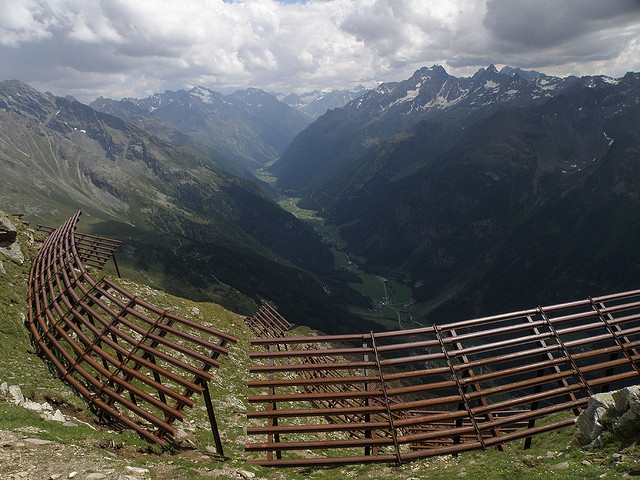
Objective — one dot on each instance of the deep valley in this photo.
(463, 196)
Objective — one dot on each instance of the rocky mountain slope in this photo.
(187, 226)
(498, 191)
(316, 103)
(135, 115)
(331, 147)
(250, 127)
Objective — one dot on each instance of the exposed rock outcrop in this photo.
(8, 231)
(13, 394)
(9, 239)
(616, 412)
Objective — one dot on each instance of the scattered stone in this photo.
(69, 424)
(597, 443)
(4, 388)
(30, 429)
(184, 439)
(73, 474)
(37, 441)
(562, 466)
(29, 405)
(137, 470)
(2, 270)
(59, 417)
(55, 476)
(15, 395)
(246, 475)
(96, 476)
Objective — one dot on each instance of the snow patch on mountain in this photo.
(318, 102)
(547, 83)
(384, 89)
(444, 100)
(411, 94)
(203, 94)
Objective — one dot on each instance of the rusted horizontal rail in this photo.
(137, 364)
(93, 250)
(398, 396)
(267, 322)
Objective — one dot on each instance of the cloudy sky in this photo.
(119, 48)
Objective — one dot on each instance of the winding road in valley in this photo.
(388, 302)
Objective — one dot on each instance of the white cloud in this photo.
(22, 22)
(120, 47)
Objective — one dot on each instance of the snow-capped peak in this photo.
(203, 93)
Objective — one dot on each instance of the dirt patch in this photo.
(25, 456)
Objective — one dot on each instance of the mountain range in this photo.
(249, 127)
(318, 102)
(445, 103)
(484, 193)
(186, 225)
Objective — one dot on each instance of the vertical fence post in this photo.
(212, 419)
(468, 373)
(273, 421)
(567, 355)
(461, 392)
(537, 389)
(614, 330)
(383, 386)
(368, 433)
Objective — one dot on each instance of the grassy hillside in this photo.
(89, 448)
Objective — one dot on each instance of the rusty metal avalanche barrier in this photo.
(92, 250)
(403, 395)
(267, 323)
(136, 364)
